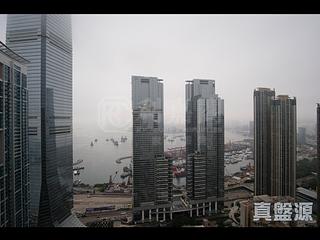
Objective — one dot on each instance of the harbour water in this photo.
(99, 159)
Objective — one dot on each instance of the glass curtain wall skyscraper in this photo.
(152, 171)
(262, 99)
(275, 143)
(46, 41)
(283, 146)
(204, 146)
(14, 160)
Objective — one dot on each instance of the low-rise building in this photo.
(245, 213)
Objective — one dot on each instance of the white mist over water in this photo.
(99, 160)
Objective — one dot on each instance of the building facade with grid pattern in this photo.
(204, 146)
(14, 159)
(283, 146)
(152, 171)
(275, 143)
(262, 99)
(46, 41)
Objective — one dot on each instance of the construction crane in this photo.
(129, 180)
(111, 180)
(115, 175)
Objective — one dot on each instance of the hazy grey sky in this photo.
(240, 52)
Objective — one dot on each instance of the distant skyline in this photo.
(239, 52)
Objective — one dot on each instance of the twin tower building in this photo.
(275, 143)
(275, 123)
(152, 170)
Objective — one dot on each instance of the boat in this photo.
(243, 168)
(91, 144)
(78, 162)
(118, 161)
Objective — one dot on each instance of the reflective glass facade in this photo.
(46, 41)
(152, 172)
(262, 99)
(204, 143)
(14, 161)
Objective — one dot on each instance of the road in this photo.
(82, 201)
(113, 215)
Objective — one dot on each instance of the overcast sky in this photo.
(240, 52)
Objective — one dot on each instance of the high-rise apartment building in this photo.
(251, 128)
(262, 140)
(204, 147)
(283, 146)
(152, 171)
(14, 160)
(301, 135)
(275, 135)
(46, 41)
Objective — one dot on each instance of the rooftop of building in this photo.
(283, 97)
(7, 51)
(246, 202)
(198, 79)
(146, 77)
(263, 89)
(272, 199)
(307, 192)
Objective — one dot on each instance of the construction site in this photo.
(111, 201)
